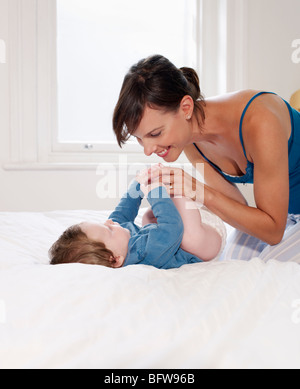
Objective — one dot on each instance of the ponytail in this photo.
(195, 91)
(193, 80)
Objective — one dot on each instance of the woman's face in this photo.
(164, 133)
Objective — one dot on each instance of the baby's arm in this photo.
(198, 239)
(129, 205)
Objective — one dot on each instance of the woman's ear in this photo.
(117, 262)
(187, 106)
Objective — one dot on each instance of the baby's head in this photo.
(93, 244)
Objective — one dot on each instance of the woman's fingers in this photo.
(179, 183)
(172, 178)
(165, 173)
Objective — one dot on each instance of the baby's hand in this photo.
(146, 189)
(145, 176)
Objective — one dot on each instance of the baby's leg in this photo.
(149, 218)
(199, 239)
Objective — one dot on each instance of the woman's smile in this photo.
(164, 153)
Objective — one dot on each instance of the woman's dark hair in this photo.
(157, 83)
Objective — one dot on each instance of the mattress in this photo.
(228, 314)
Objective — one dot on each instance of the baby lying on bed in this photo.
(175, 237)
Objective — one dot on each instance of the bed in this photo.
(228, 314)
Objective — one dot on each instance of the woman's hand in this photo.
(145, 181)
(178, 183)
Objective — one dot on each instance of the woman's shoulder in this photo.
(266, 122)
(255, 110)
(267, 111)
(235, 96)
(241, 98)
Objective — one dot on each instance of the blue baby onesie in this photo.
(158, 244)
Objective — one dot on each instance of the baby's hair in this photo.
(75, 247)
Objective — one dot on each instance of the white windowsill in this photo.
(122, 162)
(35, 166)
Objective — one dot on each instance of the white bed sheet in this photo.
(231, 314)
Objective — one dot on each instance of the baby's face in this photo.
(115, 237)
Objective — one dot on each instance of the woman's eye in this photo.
(155, 135)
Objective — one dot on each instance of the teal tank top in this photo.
(294, 158)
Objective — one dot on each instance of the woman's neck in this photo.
(212, 126)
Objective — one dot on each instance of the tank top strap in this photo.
(250, 165)
(207, 160)
(243, 116)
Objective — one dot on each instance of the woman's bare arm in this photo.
(268, 148)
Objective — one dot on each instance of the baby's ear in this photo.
(117, 262)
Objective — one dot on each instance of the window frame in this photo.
(190, 54)
(31, 53)
(48, 104)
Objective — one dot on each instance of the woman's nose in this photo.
(149, 149)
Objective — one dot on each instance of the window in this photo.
(97, 42)
(67, 60)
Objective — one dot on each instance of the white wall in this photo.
(272, 26)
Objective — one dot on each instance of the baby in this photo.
(172, 235)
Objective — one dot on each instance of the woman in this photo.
(243, 137)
